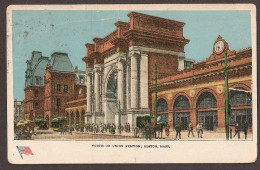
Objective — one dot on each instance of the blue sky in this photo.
(68, 31)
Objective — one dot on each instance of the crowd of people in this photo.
(149, 129)
(96, 128)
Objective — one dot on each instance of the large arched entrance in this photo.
(206, 111)
(241, 106)
(162, 109)
(181, 111)
(111, 97)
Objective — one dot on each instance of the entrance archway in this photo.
(181, 112)
(111, 97)
(206, 111)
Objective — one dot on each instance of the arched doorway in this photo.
(162, 109)
(241, 106)
(181, 111)
(72, 118)
(206, 111)
(111, 97)
(82, 117)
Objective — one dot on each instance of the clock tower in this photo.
(219, 46)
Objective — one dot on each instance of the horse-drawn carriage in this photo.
(24, 130)
(146, 127)
(58, 124)
(41, 124)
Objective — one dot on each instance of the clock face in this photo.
(219, 47)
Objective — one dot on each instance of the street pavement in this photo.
(207, 135)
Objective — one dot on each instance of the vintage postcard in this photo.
(132, 83)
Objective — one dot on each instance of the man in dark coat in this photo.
(245, 129)
(178, 130)
(237, 130)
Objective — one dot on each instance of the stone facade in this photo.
(120, 74)
(18, 111)
(120, 66)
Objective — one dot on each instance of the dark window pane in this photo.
(162, 105)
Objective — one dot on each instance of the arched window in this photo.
(206, 100)
(162, 105)
(181, 115)
(208, 117)
(181, 103)
(240, 101)
(240, 96)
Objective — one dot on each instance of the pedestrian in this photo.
(167, 129)
(147, 131)
(237, 130)
(128, 127)
(190, 129)
(178, 130)
(119, 128)
(199, 130)
(71, 129)
(245, 127)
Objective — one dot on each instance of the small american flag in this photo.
(24, 150)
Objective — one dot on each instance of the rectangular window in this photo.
(58, 87)
(81, 79)
(36, 93)
(58, 101)
(37, 81)
(65, 88)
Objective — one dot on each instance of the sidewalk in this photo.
(207, 135)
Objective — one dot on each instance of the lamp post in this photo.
(226, 99)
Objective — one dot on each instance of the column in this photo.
(105, 108)
(96, 90)
(128, 83)
(89, 89)
(134, 81)
(120, 84)
(144, 80)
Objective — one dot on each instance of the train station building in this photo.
(121, 71)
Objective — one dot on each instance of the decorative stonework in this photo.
(170, 96)
(219, 89)
(192, 93)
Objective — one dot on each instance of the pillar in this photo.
(120, 84)
(89, 90)
(97, 90)
(134, 81)
(144, 80)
